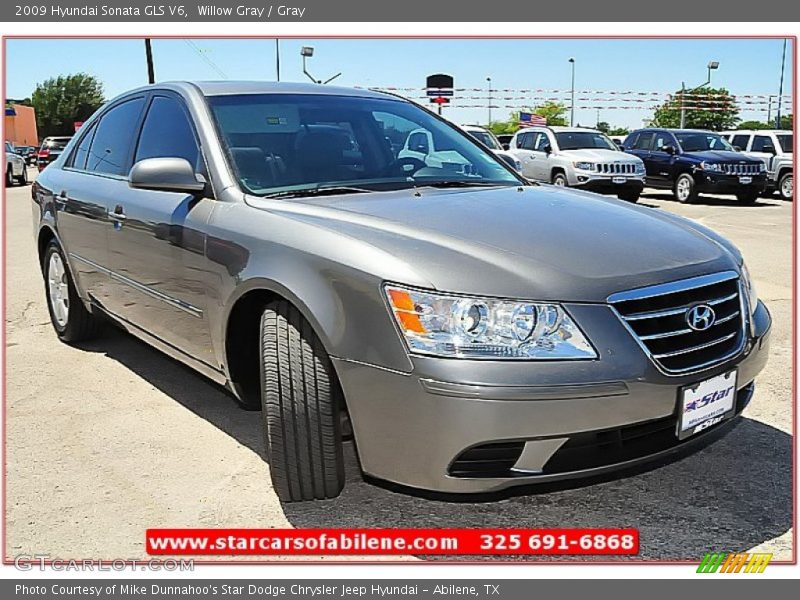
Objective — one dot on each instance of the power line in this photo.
(208, 61)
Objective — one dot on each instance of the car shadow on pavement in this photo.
(708, 200)
(731, 495)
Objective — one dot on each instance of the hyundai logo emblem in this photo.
(700, 317)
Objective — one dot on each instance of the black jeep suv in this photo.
(690, 162)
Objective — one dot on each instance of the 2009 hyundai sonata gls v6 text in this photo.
(472, 330)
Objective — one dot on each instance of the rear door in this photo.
(83, 189)
(158, 244)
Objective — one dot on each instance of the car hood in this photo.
(721, 156)
(535, 242)
(600, 155)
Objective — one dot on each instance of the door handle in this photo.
(118, 214)
(62, 198)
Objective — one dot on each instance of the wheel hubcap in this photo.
(787, 189)
(559, 181)
(683, 189)
(58, 289)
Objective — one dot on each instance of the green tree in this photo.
(61, 101)
(604, 127)
(698, 116)
(753, 125)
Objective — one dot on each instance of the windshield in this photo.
(700, 141)
(786, 140)
(281, 143)
(577, 140)
(486, 138)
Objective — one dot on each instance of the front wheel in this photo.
(72, 322)
(747, 196)
(786, 186)
(560, 180)
(23, 178)
(685, 189)
(9, 176)
(301, 408)
(629, 195)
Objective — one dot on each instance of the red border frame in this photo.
(794, 70)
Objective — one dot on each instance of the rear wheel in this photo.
(560, 179)
(301, 408)
(70, 319)
(747, 196)
(685, 189)
(786, 186)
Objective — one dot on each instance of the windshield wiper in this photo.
(318, 191)
(460, 184)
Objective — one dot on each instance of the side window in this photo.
(82, 151)
(630, 141)
(113, 139)
(645, 141)
(661, 140)
(541, 141)
(418, 142)
(762, 143)
(167, 132)
(740, 140)
(525, 140)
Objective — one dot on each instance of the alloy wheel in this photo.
(58, 289)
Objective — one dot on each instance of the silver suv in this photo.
(576, 157)
(776, 148)
(472, 330)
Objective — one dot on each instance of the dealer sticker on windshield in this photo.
(706, 403)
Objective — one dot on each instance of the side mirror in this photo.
(670, 149)
(166, 175)
(548, 149)
(769, 149)
(508, 160)
(737, 148)
(505, 146)
(621, 147)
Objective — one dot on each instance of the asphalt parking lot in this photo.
(106, 440)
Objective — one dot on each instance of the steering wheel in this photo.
(408, 165)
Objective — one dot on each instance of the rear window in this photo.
(57, 144)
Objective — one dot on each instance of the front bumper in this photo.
(606, 184)
(718, 183)
(415, 428)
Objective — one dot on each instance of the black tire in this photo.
(80, 324)
(747, 196)
(786, 186)
(560, 179)
(684, 189)
(630, 195)
(9, 176)
(23, 179)
(301, 408)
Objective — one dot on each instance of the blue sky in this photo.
(746, 66)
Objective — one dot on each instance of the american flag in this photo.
(531, 120)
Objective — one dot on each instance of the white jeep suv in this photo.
(577, 157)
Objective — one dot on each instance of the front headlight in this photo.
(485, 328)
(749, 289)
(709, 166)
(762, 168)
(640, 167)
(584, 166)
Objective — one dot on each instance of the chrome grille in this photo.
(741, 169)
(616, 168)
(657, 316)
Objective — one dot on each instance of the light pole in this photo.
(277, 59)
(713, 65)
(489, 80)
(572, 95)
(307, 52)
(780, 90)
(148, 52)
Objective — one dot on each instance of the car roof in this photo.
(559, 129)
(762, 131)
(223, 88)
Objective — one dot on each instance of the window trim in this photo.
(94, 123)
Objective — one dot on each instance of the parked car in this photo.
(776, 148)
(505, 140)
(585, 158)
(28, 153)
(50, 150)
(488, 139)
(476, 331)
(15, 167)
(691, 162)
(617, 139)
